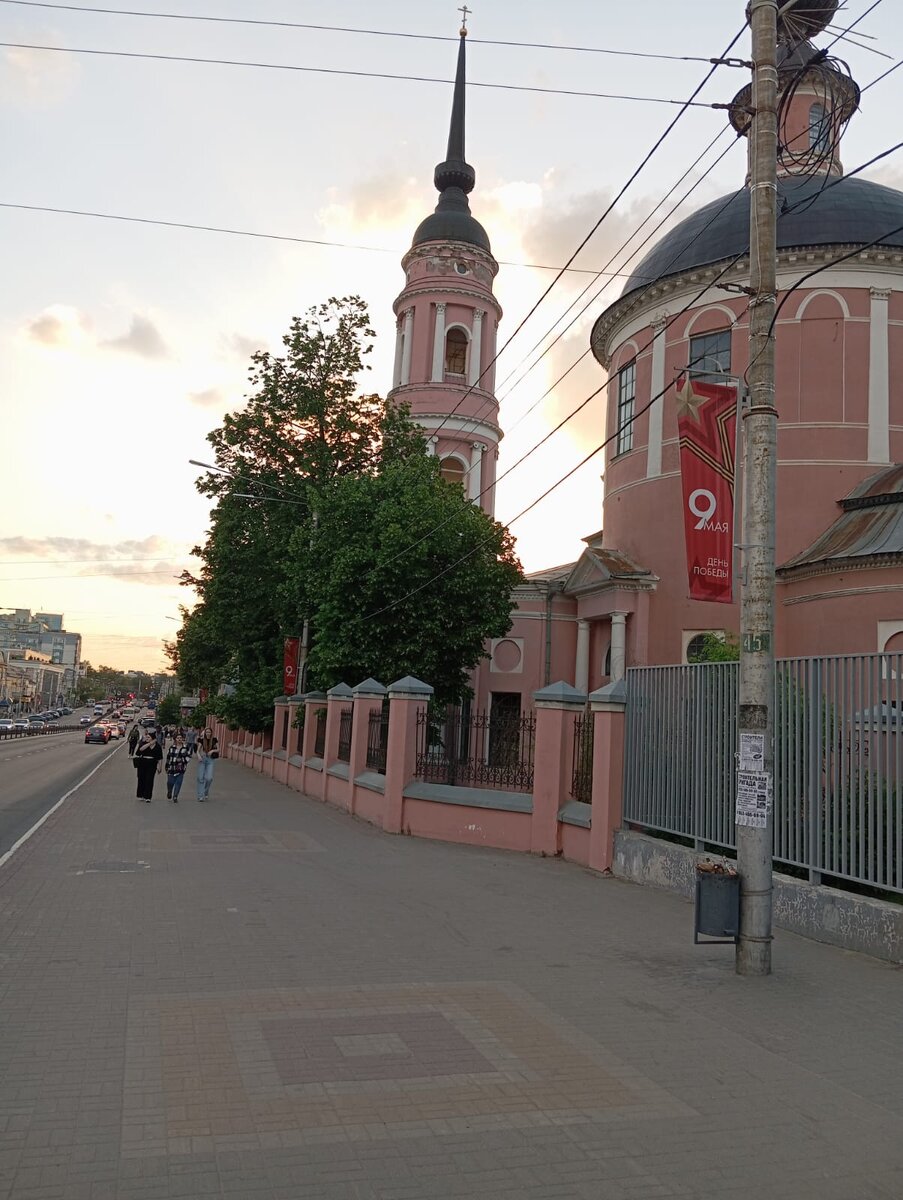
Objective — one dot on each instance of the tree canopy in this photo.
(318, 489)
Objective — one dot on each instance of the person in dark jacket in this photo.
(176, 763)
(148, 760)
(134, 739)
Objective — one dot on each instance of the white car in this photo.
(7, 726)
(113, 728)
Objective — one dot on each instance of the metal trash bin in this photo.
(717, 907)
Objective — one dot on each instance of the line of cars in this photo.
(35, 722)
(106, 728)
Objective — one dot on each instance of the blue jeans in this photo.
(174, 784)
(205, 776)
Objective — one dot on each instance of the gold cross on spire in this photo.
(464, 10)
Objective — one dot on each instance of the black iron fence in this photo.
(346, 718)
(475, 749)
(320, 733)
(582, 777)
(378, 740)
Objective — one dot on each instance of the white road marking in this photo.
(4, 858)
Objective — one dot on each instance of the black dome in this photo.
(850, 211)
(452, 221)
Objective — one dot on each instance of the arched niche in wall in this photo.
(822, 318)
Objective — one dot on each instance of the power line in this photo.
(592, 454)
(629, 259)
(637, 170)
(424, 37)
(233, 62)
(638, 412)
(251, 233)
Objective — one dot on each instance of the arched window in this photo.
(452, 469)
(819, 128)
(456, 351)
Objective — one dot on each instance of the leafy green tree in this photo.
(403, 576)
(169, 711)
(305, 424)
(716, 647)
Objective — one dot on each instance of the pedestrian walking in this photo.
(148, 760)
(191, 740)
(134, 739)
(176, 765)
(208, 753)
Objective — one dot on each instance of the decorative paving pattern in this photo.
(290, 1067)
(228, 839)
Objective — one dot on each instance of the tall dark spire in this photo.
(455, 177)
(456, 171)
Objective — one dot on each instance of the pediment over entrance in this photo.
(599, 568)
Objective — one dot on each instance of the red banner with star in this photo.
(290, 666)
(707, 428)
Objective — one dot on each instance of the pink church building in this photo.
(839, 346)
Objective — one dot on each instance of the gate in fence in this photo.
(838, 774)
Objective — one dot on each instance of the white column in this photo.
(431, 443)
(406, 353)
(399, 345)
(879, 379)
(475, 479)
(476, 347)
(581, 659)
(618, 646)
(439, 345)
(656, 412)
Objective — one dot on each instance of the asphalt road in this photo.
(35, 772)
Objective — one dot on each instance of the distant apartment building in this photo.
(20, 629)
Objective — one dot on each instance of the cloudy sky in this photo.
(122, 343)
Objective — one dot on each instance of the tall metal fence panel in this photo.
(378, 739)
(582, 774)
(838, 774)
(475, 749)
(320, 733)
(346, 720)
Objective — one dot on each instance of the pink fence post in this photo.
(406, 698)
(556, 707)
(368, 698)
(608, 705)
(280, 712)
(337, 698)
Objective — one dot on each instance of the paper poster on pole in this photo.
(753, 798)
(752, 752)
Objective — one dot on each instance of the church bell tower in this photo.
(447, 324)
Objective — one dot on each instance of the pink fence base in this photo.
(398, 803)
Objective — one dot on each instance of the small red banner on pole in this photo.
(707, 428)
(290, 665)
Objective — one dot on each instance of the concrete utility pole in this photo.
(756, 713)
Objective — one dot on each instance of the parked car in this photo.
(84, 720)
(21, 723)
(97, 733)
(7, 726)
(51, 723)
(36, 725)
